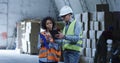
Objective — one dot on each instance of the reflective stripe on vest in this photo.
(70, 31)
(50, 54)
(54, 55)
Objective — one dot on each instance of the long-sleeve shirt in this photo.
(77, 31)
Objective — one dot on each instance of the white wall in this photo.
(17, 10)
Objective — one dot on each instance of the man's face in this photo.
(67, 17)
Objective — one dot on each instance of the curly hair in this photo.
(45, 20)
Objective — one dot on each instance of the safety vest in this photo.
(51, 54)
(77, 46)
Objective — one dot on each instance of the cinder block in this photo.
(100, 16)
(94, 43)
(99, 34)
(86, 26)
(92, 34)
(84, 43)
(89, 44)
(93, 52)
(85, 16)
(78, 17)
(91, 25)
(96, 26)
(102, 25)
(85, 34)
(88, 52)
(93, 16)
(83, 52)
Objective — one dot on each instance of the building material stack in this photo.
(29, 38)
(94, 23)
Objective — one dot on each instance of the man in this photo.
(72, 36)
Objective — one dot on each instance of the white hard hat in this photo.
(65, 10)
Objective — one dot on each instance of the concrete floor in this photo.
(13, 56)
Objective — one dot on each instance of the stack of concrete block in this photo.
(29, 36)
(32, 30)
(93, 26)
(22, 34)
(94, 23)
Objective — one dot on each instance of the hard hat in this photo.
(65, 10)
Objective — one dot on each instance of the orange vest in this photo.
(51, 53)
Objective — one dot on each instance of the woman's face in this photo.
(49, 24)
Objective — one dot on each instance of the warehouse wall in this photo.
(79, 6)
(12, 11)
(21, 9)
(114, 5)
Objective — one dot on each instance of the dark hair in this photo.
(45, 20)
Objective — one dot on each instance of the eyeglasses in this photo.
(64, 16)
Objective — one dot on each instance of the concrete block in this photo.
(86, 26)
(91, 25)
(100, 16)
(89, 44)
(78, 17)
(85, 34)
(88, 52)
(96, 26)
(93, 16)
(92, 34)
(84, 43)
(93, 52)
(94, 43)
(99, 34)
(102, 25)
(82, 53)
(85, 17)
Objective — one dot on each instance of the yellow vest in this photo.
(77, 46)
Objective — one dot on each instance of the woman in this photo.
(49, 51)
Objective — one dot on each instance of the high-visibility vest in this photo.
(51, 54)
(66, 45)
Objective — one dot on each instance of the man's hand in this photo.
(59, 36)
